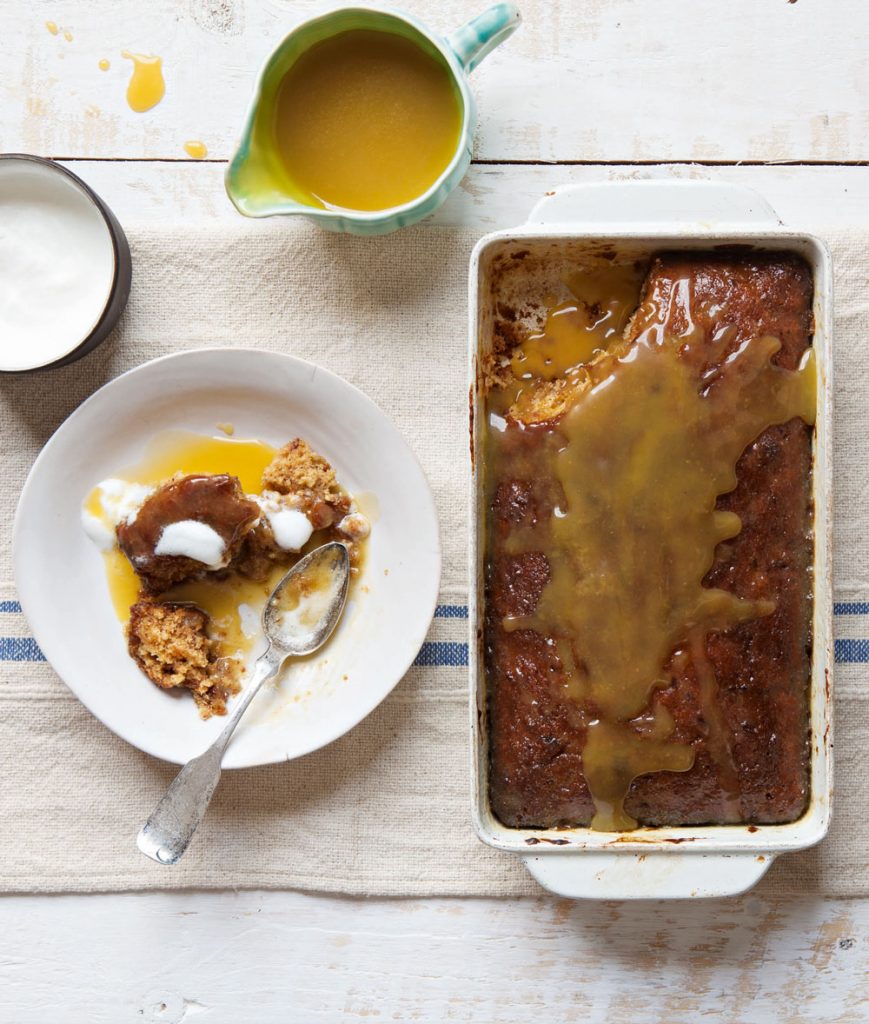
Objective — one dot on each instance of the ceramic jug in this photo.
(255, 180)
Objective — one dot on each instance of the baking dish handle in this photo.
(701, 206)
(612, 875)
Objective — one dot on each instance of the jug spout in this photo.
(254, 182)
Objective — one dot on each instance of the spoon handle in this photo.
(167, 833)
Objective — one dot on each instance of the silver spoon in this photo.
(299, 617)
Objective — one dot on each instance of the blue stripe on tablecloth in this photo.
(432, 654)
(460, 611)
(453, 611)
(446, 654)
(443, 611)
(20, 648)
(851, 652)
(441, 653)
(851, 608)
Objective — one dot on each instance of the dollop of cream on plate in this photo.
(193, 540)
(121, 500)
(354, 526)
(250, 620)
(291, 527)
(97, 531)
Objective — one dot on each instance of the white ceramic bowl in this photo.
(271, 397)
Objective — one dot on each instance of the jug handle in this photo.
(478, 37)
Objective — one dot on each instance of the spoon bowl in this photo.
(304, 608)
(299, 617)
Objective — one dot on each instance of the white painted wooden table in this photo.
(770, 93)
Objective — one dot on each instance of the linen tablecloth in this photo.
(385, 809)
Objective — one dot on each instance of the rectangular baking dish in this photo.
(635, 220)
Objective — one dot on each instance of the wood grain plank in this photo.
(172, 957)
(581, 80)
(489, 197)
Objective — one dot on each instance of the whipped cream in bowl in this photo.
(65, 265)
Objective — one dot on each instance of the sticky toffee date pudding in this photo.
(190, 557)
(217, 517)
(649, 549)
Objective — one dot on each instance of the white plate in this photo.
(272, 397)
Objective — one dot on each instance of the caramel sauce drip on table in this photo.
(196, 149)
(146, 86)
(640, 456)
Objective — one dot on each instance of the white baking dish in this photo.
(636, 219)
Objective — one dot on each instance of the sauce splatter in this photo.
(52, 27)
(198, 150)
(146, 86)
(104, 65)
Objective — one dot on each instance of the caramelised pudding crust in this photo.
(720, 732)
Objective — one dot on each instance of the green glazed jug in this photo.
(255, 179)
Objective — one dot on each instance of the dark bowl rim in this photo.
(118, 257)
